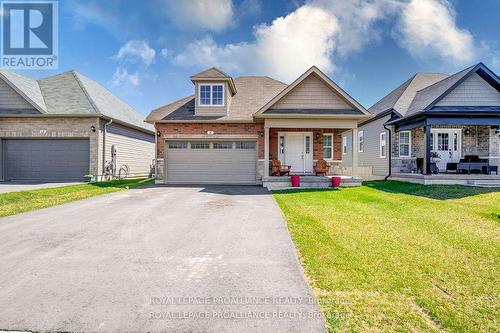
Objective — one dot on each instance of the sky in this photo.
(145, 51)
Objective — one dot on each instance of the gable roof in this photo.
(326, 80)
(71, 93)
(215, 74)
(253, 93)
(400, 98)
(426, 98)
(26, 87)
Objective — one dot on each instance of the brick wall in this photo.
(203, 128)
(51, 127)
(317, 142)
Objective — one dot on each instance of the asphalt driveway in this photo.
(216, 259)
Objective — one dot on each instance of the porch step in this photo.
(281, 183)
(484, 183)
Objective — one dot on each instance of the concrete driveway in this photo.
(215, 259)
(11, 186)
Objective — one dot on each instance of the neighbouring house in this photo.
(63, 127)
(229, 130)
(434, 128)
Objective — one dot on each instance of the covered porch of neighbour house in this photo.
(447, 150)
(299, 144)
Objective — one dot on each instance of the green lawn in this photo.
(391, 256)
(23, 201)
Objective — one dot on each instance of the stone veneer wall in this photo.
(53, 128)
(481, 141)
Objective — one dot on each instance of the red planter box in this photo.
(335, 181)
(295, 179)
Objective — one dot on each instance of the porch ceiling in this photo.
(311, 123)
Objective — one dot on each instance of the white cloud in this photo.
(137, 49)
(121, 76)
(214, 15)
(164, 52)
(283, 49)
(428, 28)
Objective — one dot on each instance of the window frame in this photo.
(211, 85)
(344, 145)
(409, 143)
(329, 147)
(383, 143)
(361, 141)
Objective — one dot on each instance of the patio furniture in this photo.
(472, 164)
(321, 167)
(420, 164)
(491, 169)
(279, 170)
(434, 168)
(451, 166)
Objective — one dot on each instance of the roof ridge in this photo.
(87, 95)
(449, 76)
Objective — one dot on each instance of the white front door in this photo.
(448, 144)
(298, 151)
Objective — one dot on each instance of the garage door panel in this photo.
(52, 159)
(224, 166)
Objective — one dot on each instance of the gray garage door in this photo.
(211, 162)
(46, 159)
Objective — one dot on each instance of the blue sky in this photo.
(145, 51)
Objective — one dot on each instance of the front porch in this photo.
(298, 145)
(447, 153)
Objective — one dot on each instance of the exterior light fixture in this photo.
(92, 128)
(158, 133)
(261, 133)
(318, 135)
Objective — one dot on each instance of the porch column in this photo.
(266, 151)
(354, 152)
(427, 143)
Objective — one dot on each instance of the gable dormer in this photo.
(213, 92)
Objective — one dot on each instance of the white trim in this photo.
(409, 144)
(344, 145)
(211, 85)
(361, 141)
(382, 145)
(331, 146)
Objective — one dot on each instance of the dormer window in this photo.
(211, 94)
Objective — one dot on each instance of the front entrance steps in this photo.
(449, 179)
(308, 181)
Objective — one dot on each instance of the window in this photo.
(361, 143)
(443, 141)
(177, 145)
(223, 145)
(200, 145)
(308, 144)
(404, 143)
(211, 94)
(282, 144)
(455, 141)
(344, 145)
(327, 147)
(383, 145)
(245, 145)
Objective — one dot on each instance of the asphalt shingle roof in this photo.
(401, 98)
(71, 93)
(253, 93)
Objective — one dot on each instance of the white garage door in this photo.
(211, 162)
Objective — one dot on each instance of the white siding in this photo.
(11, 100)
(370, 156)
(474, 91)
(311, 93)
(134, 148)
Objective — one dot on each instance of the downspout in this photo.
(104, 146)
(389, 152)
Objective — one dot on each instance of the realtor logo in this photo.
(29, 34)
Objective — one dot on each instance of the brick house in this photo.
(435, 129)
(229, 130)
(62, 128)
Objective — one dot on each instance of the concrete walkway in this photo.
(11, 186)
(216, 259)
